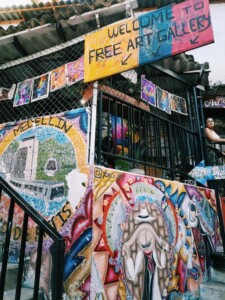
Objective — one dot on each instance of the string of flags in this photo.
(38, 88)
(162, 99)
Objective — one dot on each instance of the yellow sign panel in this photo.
(150, 37)
(111, 50)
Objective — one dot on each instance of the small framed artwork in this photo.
(179, 105)
(41, 87)
(58, 78)
(163, 100)
(23, 92)
(75, 71)
(148, 91)
(6, 94)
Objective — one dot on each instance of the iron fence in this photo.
(168, 141)
(135, 136)
(44, 232)
(63, 99)
(133, 139)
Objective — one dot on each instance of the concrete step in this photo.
(11, 276)
(217, 275)
(26, 294)
(212, 290)
(218, 261)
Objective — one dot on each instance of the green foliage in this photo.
(63, 153)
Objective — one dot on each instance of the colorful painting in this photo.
(163, 100)
(120, 134)
(126, 138)
(127, 236)
(58, 78)
(148, 91)
(41, 87)
(178, 104)
(202, 173)
(214, 102)
(23, 92)
(148, 237)
(41, 158)
(78, 233)
(150, 37)
(75, 71)
(6, 94)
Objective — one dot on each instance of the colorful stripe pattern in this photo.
(150, 37)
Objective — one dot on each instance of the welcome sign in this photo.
(153, 36)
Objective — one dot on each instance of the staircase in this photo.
(12, 275)
(214, 288)
(10, 285)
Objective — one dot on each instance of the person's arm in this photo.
(211, 137)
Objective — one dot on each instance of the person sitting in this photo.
(215, 153)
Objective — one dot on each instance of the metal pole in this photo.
(93, 122)
(203, 136)
(198, 123)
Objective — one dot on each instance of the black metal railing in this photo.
(215, 154)
(44, 229)
(131, 138)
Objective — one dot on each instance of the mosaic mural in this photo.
(41, 158)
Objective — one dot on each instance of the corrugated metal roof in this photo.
(38, 37)
(42, 27)
(21, 17)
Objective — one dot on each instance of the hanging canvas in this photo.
(178, 104)
(40, 87)
(163, 100)
(23, 92)
(148, 91)
(58, 78)
(120, 134)
(6, 94)
(75, 71)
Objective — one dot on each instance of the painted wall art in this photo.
(148, 237)
(41, 158)
(128, 236)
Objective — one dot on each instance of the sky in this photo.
(213, 53)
